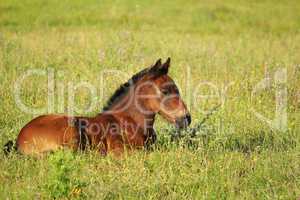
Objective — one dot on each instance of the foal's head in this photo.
(149, 92)
(157, 92)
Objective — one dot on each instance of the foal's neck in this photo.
(141, 116)
(144, 120)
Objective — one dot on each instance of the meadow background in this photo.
(234, 156)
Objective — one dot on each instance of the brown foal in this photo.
(126, 123)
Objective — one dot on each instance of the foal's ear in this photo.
(161, 69)
(166, 65)
(157, 64)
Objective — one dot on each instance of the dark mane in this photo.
(124, 88)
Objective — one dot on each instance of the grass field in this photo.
(226, 47)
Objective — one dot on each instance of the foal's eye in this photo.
(165, 92)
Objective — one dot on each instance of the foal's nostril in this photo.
(184, 122)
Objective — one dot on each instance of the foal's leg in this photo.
(151, 138)
(115, 145)
(118, 145)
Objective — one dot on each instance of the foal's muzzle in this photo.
(183, 122)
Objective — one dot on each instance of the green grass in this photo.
(230, 43)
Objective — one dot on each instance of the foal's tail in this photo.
(9, 147)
